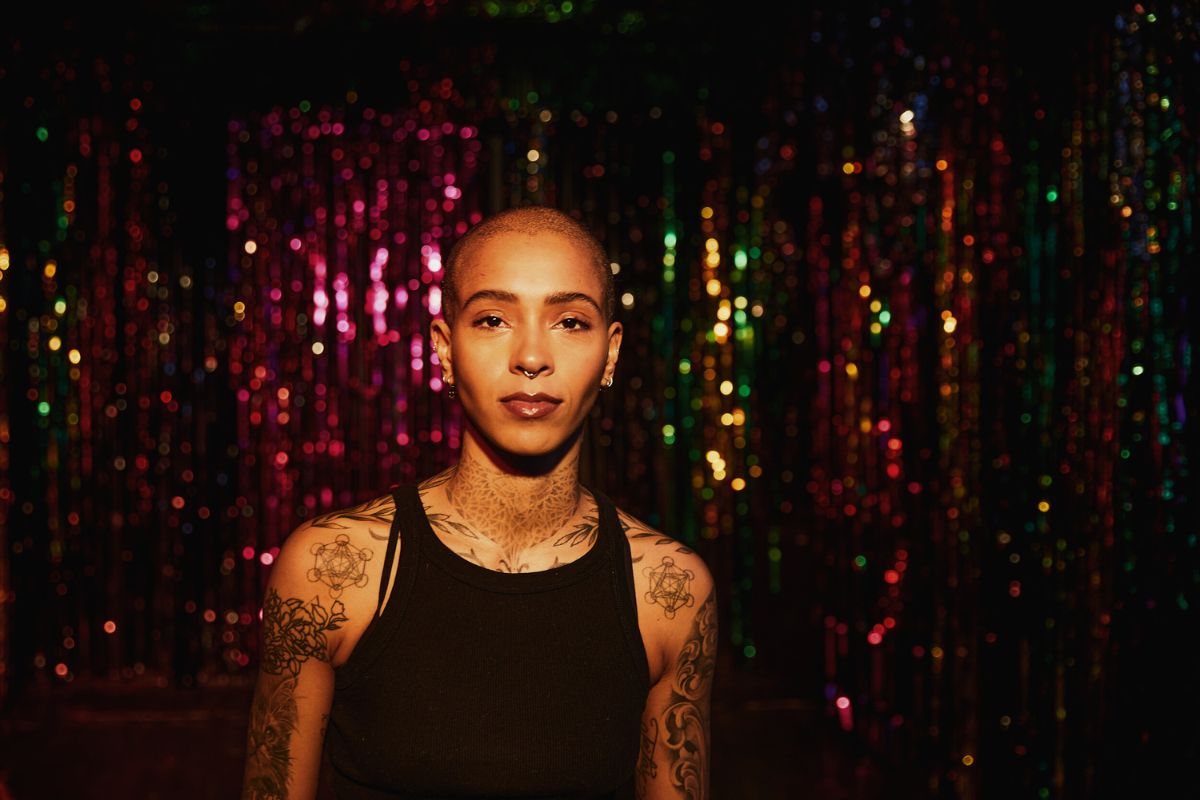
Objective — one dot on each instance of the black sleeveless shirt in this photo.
(474, 683)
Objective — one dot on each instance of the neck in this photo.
(514, 507)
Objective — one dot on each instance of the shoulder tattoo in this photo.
(339, 564)
(670, 586)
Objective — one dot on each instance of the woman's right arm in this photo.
(300, 623)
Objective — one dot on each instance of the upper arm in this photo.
(294, 689)
(675, 735)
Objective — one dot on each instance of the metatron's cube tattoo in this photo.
(339, 565)
(670, 586)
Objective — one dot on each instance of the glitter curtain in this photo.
(1002, 381)
(338, 222)
(100, 381)
(907, 352)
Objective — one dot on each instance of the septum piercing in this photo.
(529, 374)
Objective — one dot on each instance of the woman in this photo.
(518, 635)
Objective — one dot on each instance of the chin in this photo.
(530, 443)
(527, 439)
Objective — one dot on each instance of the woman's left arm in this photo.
(674, 759)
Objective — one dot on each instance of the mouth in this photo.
(530, 406)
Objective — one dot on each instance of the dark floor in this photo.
(122, 741)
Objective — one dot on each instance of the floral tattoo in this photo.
(294, 631)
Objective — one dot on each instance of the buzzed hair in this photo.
(529, 219)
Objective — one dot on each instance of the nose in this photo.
(531, 355)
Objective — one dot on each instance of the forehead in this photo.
(531, 261)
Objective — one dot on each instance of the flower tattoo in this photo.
(294, 631)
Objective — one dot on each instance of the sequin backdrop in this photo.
(908, 351)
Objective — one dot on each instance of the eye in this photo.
(477, 322)
(580, 325)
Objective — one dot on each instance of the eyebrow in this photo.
(552, 299)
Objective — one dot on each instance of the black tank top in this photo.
(474, 683)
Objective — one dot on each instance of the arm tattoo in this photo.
(687, 717)
(293, 632)
(339, 564)
(272, 723)
(670, 586)
(646, 768)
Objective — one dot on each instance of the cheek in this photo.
(477, 360)
(585, 377)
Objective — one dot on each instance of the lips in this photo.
(530, 406)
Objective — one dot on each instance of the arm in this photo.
(674, 759)
(295, 680)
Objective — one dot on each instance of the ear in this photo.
(615, 332)
(439, 336)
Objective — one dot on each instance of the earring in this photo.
(450, 390)
(607, 382)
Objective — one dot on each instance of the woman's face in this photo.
(528, 322)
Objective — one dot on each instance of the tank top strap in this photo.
(607, 523)
(624, 586)
(374, 638)
(385, 576)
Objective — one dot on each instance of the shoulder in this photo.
(334, 561)
(651, 548)
(329, 548)
(676, 593)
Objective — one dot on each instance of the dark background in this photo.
(174, 726)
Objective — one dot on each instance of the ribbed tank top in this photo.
(474, 683)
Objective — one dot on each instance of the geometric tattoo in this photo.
(339, 565)
(670, 586)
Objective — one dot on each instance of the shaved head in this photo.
(530, 220)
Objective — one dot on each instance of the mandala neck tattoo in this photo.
(515, 512)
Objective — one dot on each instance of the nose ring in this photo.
(528, 374)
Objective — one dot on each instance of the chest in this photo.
(472, 699)
(568, 548)
(364, 610)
